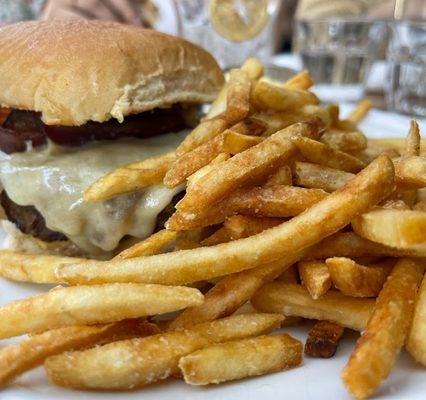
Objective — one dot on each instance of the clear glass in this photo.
(19, 10)
(206, 23)
(406, 88)
(340, 52)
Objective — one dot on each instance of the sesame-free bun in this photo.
(74, 71)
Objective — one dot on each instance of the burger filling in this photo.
(47, 169)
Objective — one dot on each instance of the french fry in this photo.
(323, 219)
(269, 96)
(412, 141)
(387, 329)
(416, 343)
(30, 353)
(238, 95)
(31, 268)
(360, 111)
(323, 339)
(370, 153)
(302, 81)
(319, 177)
(282, 176)
(411, 172)
(250, 126)
(149, 359)
(196, 176)
(320, 153)
(395, 143)
(152, 245)
(222, 235)
(405, 229)
(294, 300)
(357, 280)
(290, 275)
(419, 206)
(226, 142)
(130, 178)
(241, 359)
(206, 130)
(346, 141)
(83, 305)
(315, 277)
(349, 244)
(253, 67)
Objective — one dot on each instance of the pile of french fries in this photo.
(289, 213)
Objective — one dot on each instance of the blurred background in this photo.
(353, 48)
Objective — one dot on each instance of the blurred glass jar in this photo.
(406, 86)
(19, 10)
(232, 30)
(340, 53)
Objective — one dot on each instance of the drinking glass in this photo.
(232, 30)
(406, 88)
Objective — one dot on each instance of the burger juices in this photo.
(79, 99)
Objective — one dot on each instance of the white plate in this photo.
(316, 379)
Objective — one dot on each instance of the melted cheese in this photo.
(54, 179)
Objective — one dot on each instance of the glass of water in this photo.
(232, 30)
(339, 53)
(406, 88)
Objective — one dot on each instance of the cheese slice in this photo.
(54, 179)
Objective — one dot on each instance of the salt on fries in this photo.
(272, 178)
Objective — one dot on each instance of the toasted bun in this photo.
(75, 71)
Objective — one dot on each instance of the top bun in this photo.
(75, 71)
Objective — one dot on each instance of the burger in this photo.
(78, 99)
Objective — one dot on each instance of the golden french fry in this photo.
(404, 229)
(319, 177)
(196, 176)
(360, 111)
(349, 244)
(83, 305)
(411, 172)
(412, 141)
(222, 235)
(395, 204)
(357, 280)
(133, 363)
(269, 96)
(241, 359)
(205, 131)
(351, 142)
(315, 277)
(323, 339)
(323, 219)
(416, 343)
(320, 153)
(333, 114)
(238, 95)
(152, 245)
(419, 206)
(395, 143)
(371, 152)
(30, 353)
(130, 178)
(290, 275)
(294, 300)
(302, 81)
(282, 176)
(32, 268)
(387, 329)
(253, 67)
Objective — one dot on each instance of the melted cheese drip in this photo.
(54, 179)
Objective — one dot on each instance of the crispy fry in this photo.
(405, 229)
(205, 131)
(387, 329)
(302, 81)
(324, 218)
(346, 141)
(152, 245)
(323, 339)
(269, 96)
(196, 176)
(411, 172)
(357, 280)
(130, 178)
(238, 95)
(282, 176)
(241, 359)
(222, 235)
(419, 206)
(360, 111)
(294, 300)
(82, 305)
(416, 343)
(290, 275)
(412, 141)
(320, 153)
(253, 67)
(30, 353)
(315, 277)
(150, 359)
(349, 244)
(319, 177)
